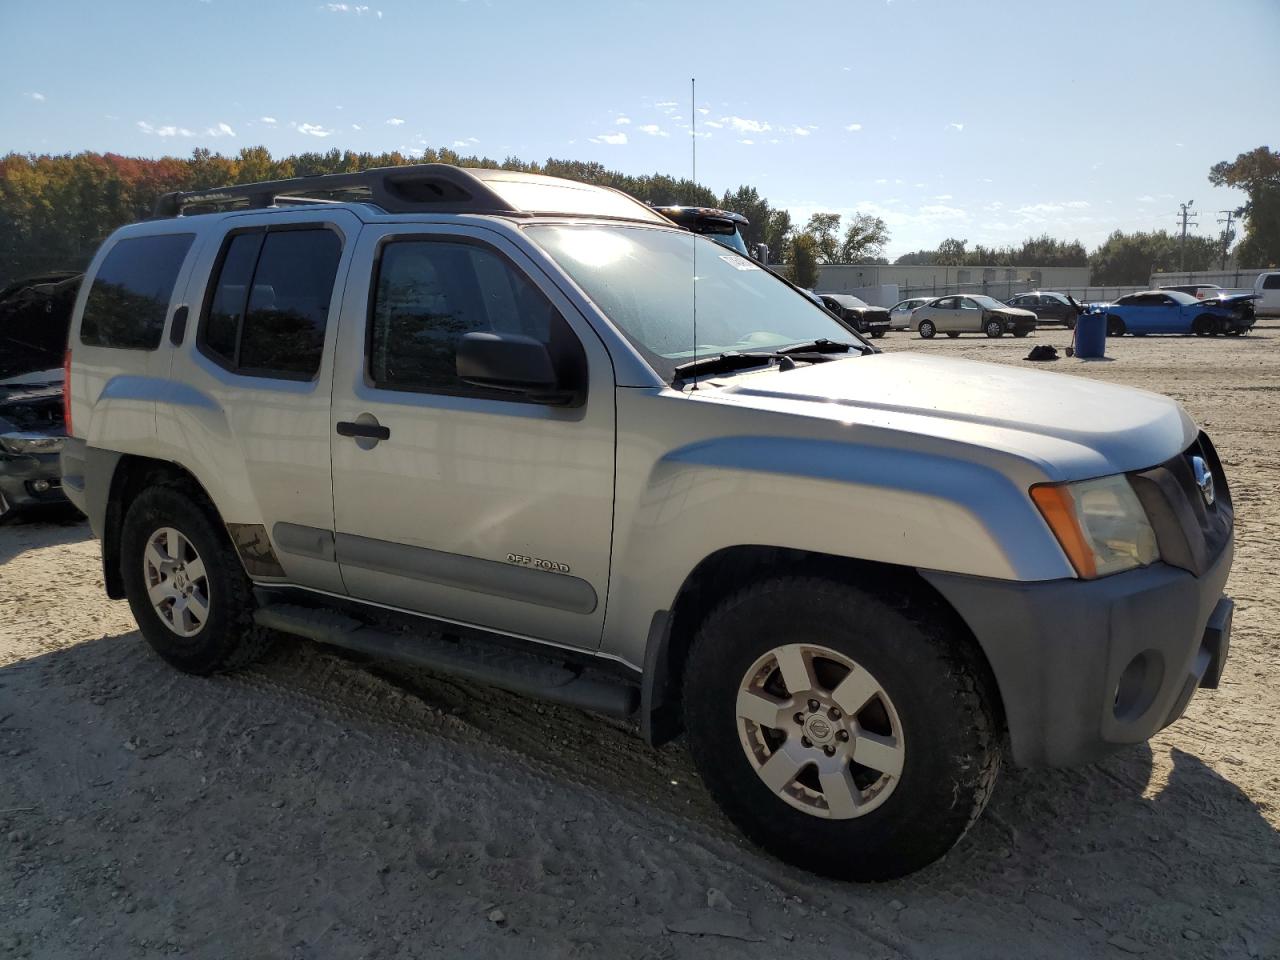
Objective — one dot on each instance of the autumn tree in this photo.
(804, 260)
(864, 239)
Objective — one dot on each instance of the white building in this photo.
(877, 281)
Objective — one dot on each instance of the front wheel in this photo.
(1021, 333)
(843, 734)
(877, 334)
(995, 329)
(185, 584)
(1115, 326)
(927, 329)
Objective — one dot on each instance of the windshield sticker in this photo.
(738, 263)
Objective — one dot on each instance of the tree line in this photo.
(56, 209)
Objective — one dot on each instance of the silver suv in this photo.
(529, 432)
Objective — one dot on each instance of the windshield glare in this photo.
(642, 279)
(988, 302)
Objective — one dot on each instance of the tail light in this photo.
(66, 391)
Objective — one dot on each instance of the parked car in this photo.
(1266, 289)
(900, 312)
(866, 319)
(1049, 307)
(1172, 311)
(1200, 291)
(971, 314)
(723, 226)
(480, 439)
(34, 315)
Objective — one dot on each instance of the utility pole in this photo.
(1227, 235)
(1187, 217)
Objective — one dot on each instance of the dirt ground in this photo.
(316, 806)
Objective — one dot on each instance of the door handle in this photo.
(367, 431)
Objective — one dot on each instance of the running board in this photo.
(523, 673)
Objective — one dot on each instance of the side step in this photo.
(523, 673)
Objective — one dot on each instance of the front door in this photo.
(946, 315)
(453, 500)
(970, 316)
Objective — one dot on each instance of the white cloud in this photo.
(713, 124)
(747, 142)
(395, 122)
(613, 139)
(666, 104)
(704, 110)
(221, 130)
(942, 196)
(653, 130)
(311, 129)
(743, 125)
(958, 127)
(168, 130)
(853, 127)
(356, 126)
(882, 180)
(266, 119)
(622, 121)
(462, 144)
(800, 131)
(39, 97)
(358, 9)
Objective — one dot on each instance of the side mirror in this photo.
(514, 363)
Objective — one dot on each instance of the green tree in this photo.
(864, 239)
(951, 253)
(825, 230)
(1131, 258)
(804, 260)
(1257, 173)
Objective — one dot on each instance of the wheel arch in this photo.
(132, 475)
(671, 632)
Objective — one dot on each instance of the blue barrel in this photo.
(1091, 335)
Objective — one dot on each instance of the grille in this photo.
(1191, 532)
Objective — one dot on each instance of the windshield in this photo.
(849, 302)
(642, 279)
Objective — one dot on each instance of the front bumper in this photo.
(1087, 666)
(30, 480)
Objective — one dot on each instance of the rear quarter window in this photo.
(131, 291)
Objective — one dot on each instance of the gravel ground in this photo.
(318, 806)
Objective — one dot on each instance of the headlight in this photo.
(1100, 524)
(29, 443)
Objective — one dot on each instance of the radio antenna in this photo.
(693, 150)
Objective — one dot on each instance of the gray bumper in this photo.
(1060, 649)
(23, 476)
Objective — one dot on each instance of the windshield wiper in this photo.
(731, 361)
(821, 345)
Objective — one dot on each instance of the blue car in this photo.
(1172, 311)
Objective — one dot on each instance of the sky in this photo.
(988, 121)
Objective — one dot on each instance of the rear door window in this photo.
(1272, 282)
(268, 307)
(129, 299)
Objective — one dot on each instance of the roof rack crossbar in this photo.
(423, 187)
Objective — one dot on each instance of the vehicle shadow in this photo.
(258, 806)
(55, 526)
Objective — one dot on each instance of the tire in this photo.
(932, 712)
(1021, 333)
(1204, 325)
(224, 637)
(1115, 326)
(927, 329)
(877, 334)
(1069, 323)
(952, 334)
(994, 329)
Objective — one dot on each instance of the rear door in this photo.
(263, 353)
(460, 502)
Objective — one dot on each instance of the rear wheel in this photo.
(1115, 326)
(1021, 333)
(927, 329)
(877, 334)
(994, 329)
(952, 334)
(843, 734)
(185, 584)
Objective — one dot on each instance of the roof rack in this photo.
(429, 187)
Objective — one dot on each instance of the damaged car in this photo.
(34, 315)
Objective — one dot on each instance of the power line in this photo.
(1227, 235)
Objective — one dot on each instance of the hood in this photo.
(1014, 312)
(1071, 427)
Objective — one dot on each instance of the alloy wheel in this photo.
(176, 581)
(820, 731)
